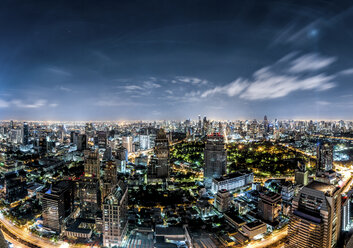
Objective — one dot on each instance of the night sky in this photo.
(154, 60)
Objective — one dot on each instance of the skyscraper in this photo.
(127, 143)
(57, 204)
(162, 153)
(215, 158)
(92, 164)
(316, 218)
(90, 197)
(25, 133)
(109, 179)
(81, 142)
(324, 158)
(301, 175)
(115, 216)
(102, 139)
(223, 200)
(121, 158)
(269, 206)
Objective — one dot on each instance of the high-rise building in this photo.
(287, 191)
(269, 206)
(25, 133)
(102, 139)
(161, 150)
(92, 164)
(324, 158)
(301, 175)
(15, 185)
(346, 212)
(90, 197)
(144, 142)
(115, 216)
(73, 137)
(121, 158)
(81, 142)
(223, 200)
(15, 136)
(316, 218)
(110, 178)
(57, 204)
(215, 159)
(127, 143)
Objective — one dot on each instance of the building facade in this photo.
(232, 181)
(57, 204)
(215, 159)
(115, 216)
(316, 217)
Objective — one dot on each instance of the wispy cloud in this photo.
(346, 72)
(26, 104)
(66, 89)
(310, 62)
(36, 104)
(4, 104)
(280, 79)
(190, 80)
(232, 89)
(267, 85)
(323, 103)
(139, 87)
(116, 103)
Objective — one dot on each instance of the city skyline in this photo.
(138, 61)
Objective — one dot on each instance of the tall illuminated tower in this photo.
(215, 158)
(25, 133)
(115, 216)
(316, 218)
(162, 153)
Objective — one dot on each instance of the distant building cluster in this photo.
(121, 185)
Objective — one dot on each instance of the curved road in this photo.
(27, 236)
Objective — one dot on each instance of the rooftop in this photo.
(320, 186)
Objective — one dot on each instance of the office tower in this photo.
(102, 139)
(90, 197)
(223, 200)
(199, 123)
(324, 158)
(127, 143)
(316, 218)
(269, 206)
(121, 159)
(346, 212)
(15, 185)
(204, 126)
(110, 177)
(215, 159)
(301, 175)
(115, 216)
(144, 142)
(161, 150)
(12, 126)
(108, 154)
(73, 137)
(81, 143)
(266, 124)
(57, 204)
(92, 164)
(15, 136)
(287, 191)
(25, 133)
